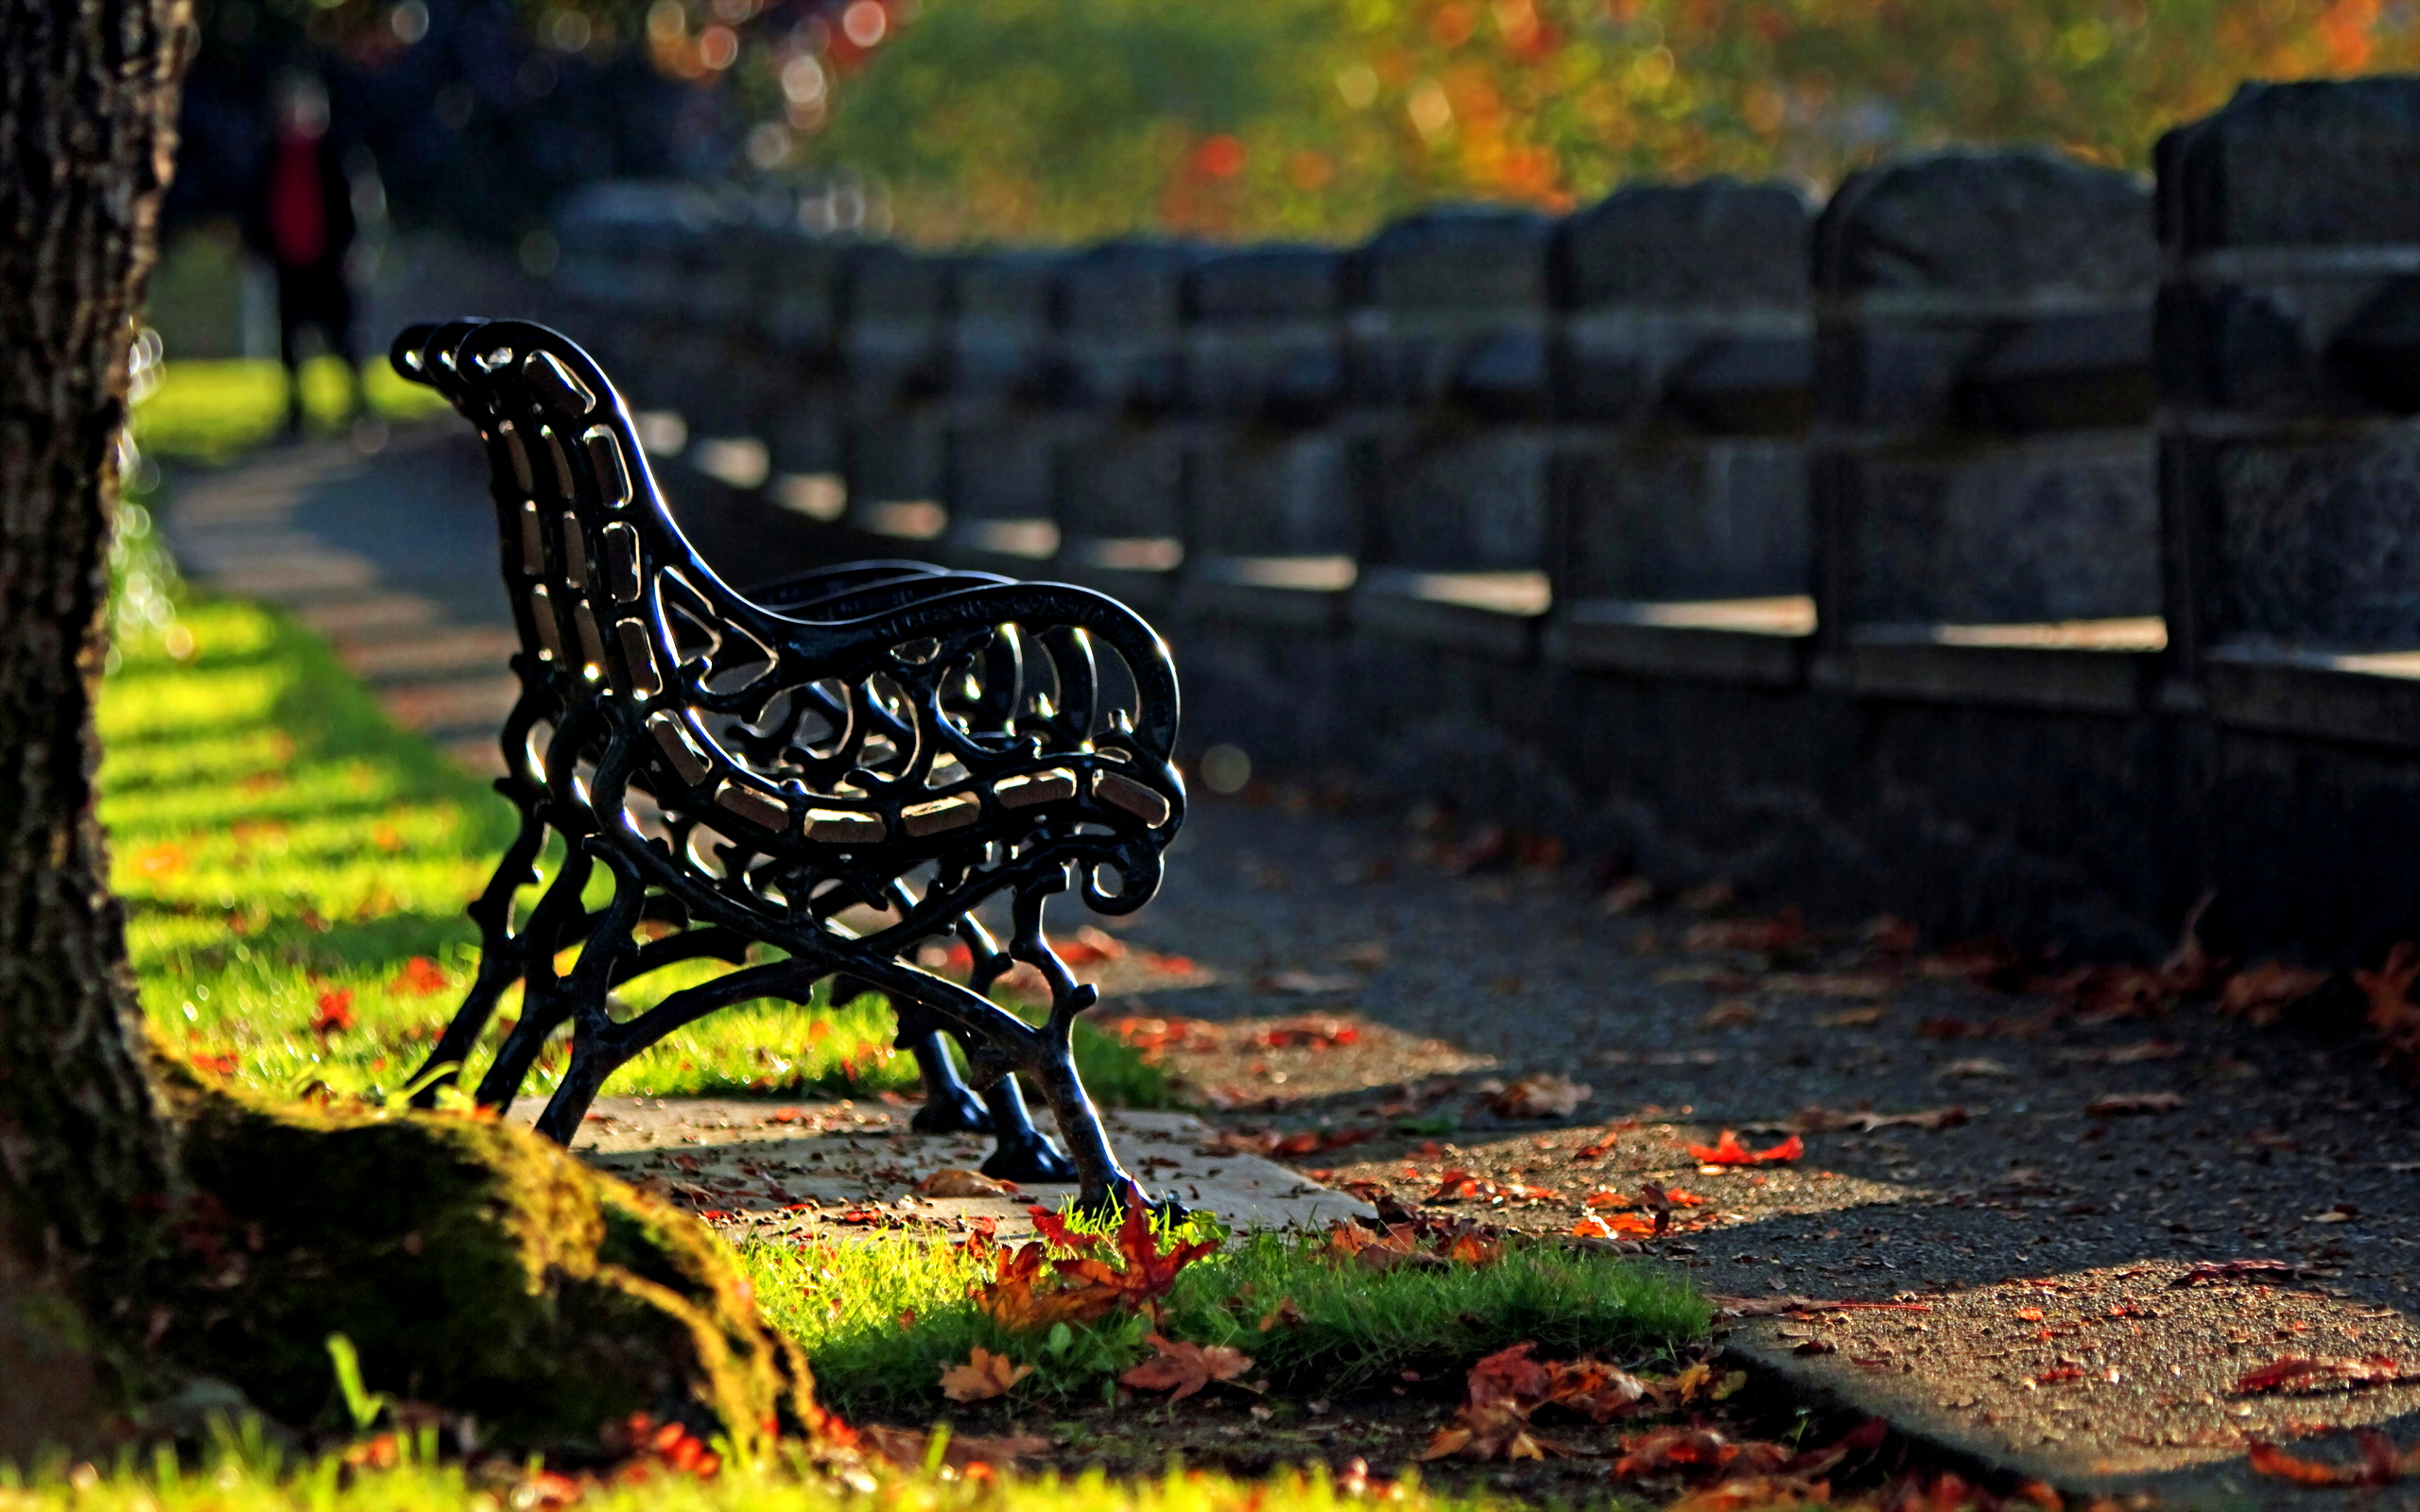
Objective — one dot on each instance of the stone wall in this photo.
(2004, 543)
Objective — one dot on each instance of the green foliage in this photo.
(1070, 119)
(844, 1304)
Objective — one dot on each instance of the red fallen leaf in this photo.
(2391, 1012)
(1183, 1368)
(1727, 1150)
(336, 1012)
(1091, 946)
(1616, 1226)
(2056, 1374)
(2260, 994)
(1315, 1141)
(2379, 1463)
(2238, 1270)
(1169, 965)
(1699, 1453)
(1312, 1032)
(1053, 1227)
(2303, 1371)
(1778, 932)
(421, 977)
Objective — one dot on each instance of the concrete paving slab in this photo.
(849, 1169)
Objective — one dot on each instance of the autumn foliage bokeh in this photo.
(1050, 120)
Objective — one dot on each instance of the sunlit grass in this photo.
(256, 1476)
(212, 410)
(295, 870)
(1350, 1328)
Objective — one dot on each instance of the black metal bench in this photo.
(885, 740)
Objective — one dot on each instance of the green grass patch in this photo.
(284, 852)
(210, 411)
(1356, 1327)
(248, 1473)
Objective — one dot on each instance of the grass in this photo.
(288, 857)
(1356, 1328)
(256, 1477)
(211, 411)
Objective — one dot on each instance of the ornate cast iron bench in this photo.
(842, 765)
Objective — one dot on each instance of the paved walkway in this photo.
(391, 558)
(2068, 1300)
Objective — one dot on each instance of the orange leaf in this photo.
(1184, 1369)
(1727, 1150)
(421, 977)
(2379, 1463)
(336, 1012)
(983, 1376)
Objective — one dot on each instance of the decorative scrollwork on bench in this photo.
(811, 779)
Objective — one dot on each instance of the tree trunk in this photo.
(467, 1258)
(88, 104)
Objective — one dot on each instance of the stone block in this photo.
(2295, 165)
(1000, 334)
(2051, 528)
(1450, 309)
(1651, 520)
(1266, 338)
(1121, 308)
(895, 331)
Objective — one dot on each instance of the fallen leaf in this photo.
(1183, 1368)
(2260, 994)
(421, 977)
(2116, 1105)
(1732, 1013)
(2302, 1372)
(1825, 1120)
(1628, 896)
(909, 1448)
(1545, 1096)
(1618, 1226)
(2235, 1270)
(1697, 1454)
(1727, 1150)
(335, 1014)
(1778, 932)
(2379, 1463)
(1977, 1066)
(1091, 946)
(983, 1376)
(1315, 1032)
(954, 1182)
(2390, 1011)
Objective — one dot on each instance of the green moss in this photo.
(471, 1263)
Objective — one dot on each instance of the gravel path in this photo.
(2042, 1247)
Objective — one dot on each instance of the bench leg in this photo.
(500, 958)
(1024, 1152)
(950, 1106)
(1103, 1186)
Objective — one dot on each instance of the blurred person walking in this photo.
(303, 223)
